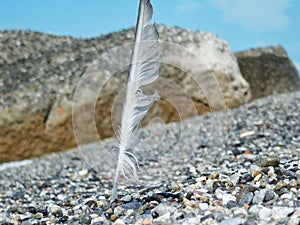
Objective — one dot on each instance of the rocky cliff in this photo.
(39, 73)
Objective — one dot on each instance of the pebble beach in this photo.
(236, 167)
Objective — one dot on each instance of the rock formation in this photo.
(39, 73)
(269, 71)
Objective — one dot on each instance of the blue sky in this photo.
(243, 24)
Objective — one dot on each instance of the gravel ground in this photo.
(238, 167)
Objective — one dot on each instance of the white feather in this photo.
(144, 70)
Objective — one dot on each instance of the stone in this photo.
(294, 221)
(232, 204)
(279, 213)
(232, 221)
(147, 221)
(97, 220)
(268, 70)
(119, 222)
(247, 134)
(268, 161)
(162, 218)
(265, 213)
(269, 195)
(163, 209)
(26, 223)
(280, 184)
(86, 219)
(40, 80)
(53, 208)
(126, 198)
(259, 196)
(227, 197)
(203, 206)
(38, 215)
(246, 199)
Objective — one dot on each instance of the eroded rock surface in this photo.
(269, 71)
(39, 73)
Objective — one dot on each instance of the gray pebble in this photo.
(279, 213)
(232, 204)
(268, 161)
(259, 196)
(26, 223)
(265, 213)
(269, 195)
(246, 199)
(232, 221)
(255, 209)
(86, 219)
(132, 205)
(294, 221)
(163, 208)
(126, 198)
(249, 223)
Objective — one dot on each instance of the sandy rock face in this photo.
(269, 71)
(39, 74)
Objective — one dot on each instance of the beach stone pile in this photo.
(269, 71)
(244, 171)
(39, 73)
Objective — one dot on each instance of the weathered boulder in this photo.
(269, 71)
(39, 73)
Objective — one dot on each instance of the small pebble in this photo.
(232, 221)
(126, 198)
(246, 199)
(259, 196)
(38, 216)
(119, 222)
(52, 208)
(265, 213)
(268, 161)
(279, 213)
(232, 204)
(280, 184)
(227, 197)
(269, 195)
